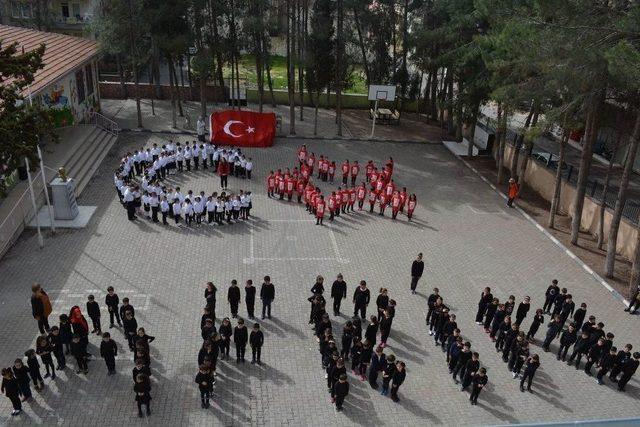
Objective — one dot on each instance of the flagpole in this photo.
(33, 203)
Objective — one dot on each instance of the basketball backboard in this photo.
(382, 93)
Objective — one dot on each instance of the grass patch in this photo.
(247, 68)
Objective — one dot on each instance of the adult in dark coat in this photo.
(417, 267)
(40, 307)
(338, 293)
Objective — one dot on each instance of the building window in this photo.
(80, 86)
(65, 9)
(75, 8)
(89, 72)
(21, 10)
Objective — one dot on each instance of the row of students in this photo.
(463, 364)
(267, 295)
(588, 339)
(175, 157)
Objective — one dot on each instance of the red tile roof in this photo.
(62, 54)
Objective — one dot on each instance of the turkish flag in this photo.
(243, 128)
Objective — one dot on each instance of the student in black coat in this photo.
(553, 328)
(140, 368)
(340, 391)
(567, 339)
(34, 369)
(485, 299)
(226, 332)
(267, 295)
(417, 268)
(579, 349)
(628, 370)
(21, 372)
(606, 363)
(335, 372)
(250, 297)
(361, 297)
(371, 332)
(431, 302)
(550, 296)
(538, 320)
(78, 351)
(377, 364)
(126, 307)
(338, 293)
(233, 296)
(579, 315)
(533, 363)
(109, 351)
(385, 328)
(347, 340)
(205, 385)
(396, 381)
(470, 371)
(318, 286)
(112, 301)
(256, 340)
(142, 389)
(93, 311)
(479, 382)
(210, 297)
(240, 338)
(523, 309)
(11, 389)
(130, 325)
(492, 308)
(593, 355)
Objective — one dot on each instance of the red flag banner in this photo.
(243, 128)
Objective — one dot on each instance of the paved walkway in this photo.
(470, 240)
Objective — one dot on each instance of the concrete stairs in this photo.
(89, 153)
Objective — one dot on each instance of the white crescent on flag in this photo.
(227, 128)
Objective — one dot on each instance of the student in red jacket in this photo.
(403, 198)
(355, 169)
(345, 172)
(338, 200)
(332, 171)
(372, 200)
(352, 198)
(411, 206)
(300, 189)
(361, 194)
(389, 190)
(302, 154)
(395, 204)
(311, 161)
(344, 203)
(368, 170)
(331, 205)
(223, 171)
(289, 186)
(382, 203)
(271, 184)
(320, 206)
(280, 181)
(373, 178)
(304, 171)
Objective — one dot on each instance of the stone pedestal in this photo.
(64, 199)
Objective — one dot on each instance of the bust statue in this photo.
(62, 174)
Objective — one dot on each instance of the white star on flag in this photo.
(250, 129)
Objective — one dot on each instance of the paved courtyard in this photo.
(470, 240)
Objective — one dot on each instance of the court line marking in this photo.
(544, 231)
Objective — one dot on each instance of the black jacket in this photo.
(10, 387)
(204, 378)
(582, 345)
(431, 301)
(250, 293)
(112, 301)
(361, 297)
(341, 389)
(371, 332)
(607, 361)
(226, 331)
(233, 295)
(268, 291)
(240, 336)
(256, 339)
(485, 300)
(567, 338)
(339, 290)
(417, 267)
(37, 307)
(124, 309)
(579, 316)
(399, 377)
(93, 309)
(130, 325)
(317, 288)
(553, 328)
(108, 349)
(595, 352)
(522, 311)
(552, 291)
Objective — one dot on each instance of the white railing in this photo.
(20, 214)
(104, 123)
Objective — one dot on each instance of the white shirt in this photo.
(187, 208)
(164, 206)
(177, 209)
(249, 166)
(236, 205)
(197, 207)
(187, 153)
(244, 202)
(211, 206)
(155, 151)
(128, 195)
(153, 201)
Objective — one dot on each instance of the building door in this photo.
(65, 9)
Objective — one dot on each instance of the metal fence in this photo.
(595, 188)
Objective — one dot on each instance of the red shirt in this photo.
(332, 202)
(355, 169)
(362, 191)
(332, 169)
(395, 202)
(289, 184)
(344, 196)
(352, 195)
(345, 168)
(368, 169)
(320, 208)
(412, 205)
(271, 182)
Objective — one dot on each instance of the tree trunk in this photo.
(315, 119)
(605, 190)
(585, 164)
(634, 280)
(237, 62)
(136, 81)
(174, 121)
(516, 145)
(203, 96)
(557, 186)
(528, 148)
(123, 86)
(290, 71)
(270, 83)
(502, 142)
(472, 134)
(622, 198)
(339, 74)
(458, 114)
(365, 63)
(178, 91)
(433, 99)
(302, 33)
(405, 38)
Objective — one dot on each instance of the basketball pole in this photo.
(375, 113)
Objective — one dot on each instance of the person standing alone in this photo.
(417, 267)
(267, 295)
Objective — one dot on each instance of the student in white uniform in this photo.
(236, 207)
(154, 205)
(164, 209)
(177, 211)
(249, 167)
(180, 159)
(228, 208)
(187, 157)
(197, 210)
(195, 151)
(187, 211)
